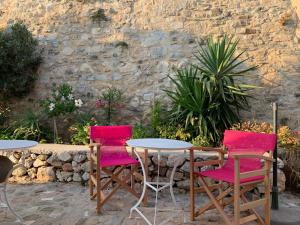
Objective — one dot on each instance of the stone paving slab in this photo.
(69, 204)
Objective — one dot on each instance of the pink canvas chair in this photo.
(243, 171)
(111, 158)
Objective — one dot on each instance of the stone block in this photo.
(45, 174)
(19, 171)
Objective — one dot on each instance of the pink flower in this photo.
(98, 103)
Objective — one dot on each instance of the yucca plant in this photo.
(206, 97)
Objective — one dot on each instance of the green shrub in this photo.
(19, 61)
(29, 126)
(110, 103)
(81, 129)
(140, 131)
(206, 97)
(201, 141)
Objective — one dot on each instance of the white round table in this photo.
(13, 145)
(157, 144)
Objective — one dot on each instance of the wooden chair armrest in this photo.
(209, 149)
(252, 155)
(94, 145)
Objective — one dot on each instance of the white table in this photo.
(157, 144)
(14, 145)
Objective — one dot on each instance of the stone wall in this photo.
(135, 44)
(70, 163)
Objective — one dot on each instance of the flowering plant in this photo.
(61, 102)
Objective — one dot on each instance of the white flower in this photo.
(51, 106)
(78, 102)
(56, 93)
(70, 96)
(62, 98)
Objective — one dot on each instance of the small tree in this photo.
(19, 61)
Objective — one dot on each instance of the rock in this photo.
(39, 163)
(79, 158)
(77, 177)
(19, 171)
(64, 156)
(162, 161)
(66, 175)
(281, 182)
(46, 174)
(86, 176)
(76, 167)
(32, 172)
(177, 176)
(85, 167)
(33, 156)
(13, 159)
(175, 159)
(28, 163)
(186, 167)
(42, 157)
(54, 161)
(185, 184)
(67, 167)
(17, 155)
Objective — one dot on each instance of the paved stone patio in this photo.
(69, 204)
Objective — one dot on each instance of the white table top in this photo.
(9, 145)
(159, 144)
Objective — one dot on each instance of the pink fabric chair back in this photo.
(242, 141)
(111, 135)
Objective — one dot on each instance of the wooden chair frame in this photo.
(115, 177)
(240, 202)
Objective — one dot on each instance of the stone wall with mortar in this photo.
(139, 42)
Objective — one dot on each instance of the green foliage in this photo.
(29, 127)
(206, 98)
(99, 16)
(4, 114)
(140, 131)
(173, 132)
(19, 61)
(61, 101)
(156, 119)
(81, 129)
(201, 141)
(6, 133)
(110, 102)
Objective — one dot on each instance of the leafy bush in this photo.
(19, 61)
(173, 132)
(4, 113)
(81, 129)
(201, 141)
(140, 131)
(29, 126)
(206, 97)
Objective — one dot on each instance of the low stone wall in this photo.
(67, 163)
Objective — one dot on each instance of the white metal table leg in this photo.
(155, 187)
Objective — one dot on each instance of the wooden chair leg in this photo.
(91, 186)
(98, 184)
(192, 186)
(236, 195)
(215, 201)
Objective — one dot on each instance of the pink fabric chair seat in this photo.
(115, 156)
(227, 175)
